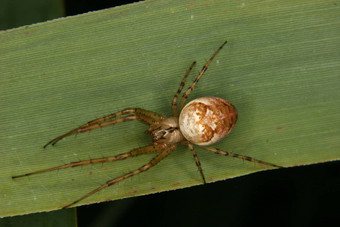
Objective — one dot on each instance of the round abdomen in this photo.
(207, 120)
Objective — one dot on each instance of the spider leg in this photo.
(133, 153)
(205, 67)
(198, 164)
(135, 114)
(153, 162)
(247, 158)
(174, 101)
(89, 127)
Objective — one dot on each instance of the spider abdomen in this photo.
(207, 120)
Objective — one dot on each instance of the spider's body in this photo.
(166, 131)
(203, 121)
(207, 120)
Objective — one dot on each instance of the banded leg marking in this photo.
(145, 116)
(198, 163)
(143, 168)
(174, 101)
(205, 67)
(247, 158)
(133, 153)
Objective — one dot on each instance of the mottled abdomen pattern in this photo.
(207, 120)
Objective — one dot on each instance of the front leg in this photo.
(145, 116)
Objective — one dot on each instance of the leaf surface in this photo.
(280, 69)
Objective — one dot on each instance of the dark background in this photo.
(299, 196)
(74, 7)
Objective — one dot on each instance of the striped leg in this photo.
(247, 158)
(174, 101)
(133, 153)
(205, 67)
(143, 168)
(134, 114)
(198, 164)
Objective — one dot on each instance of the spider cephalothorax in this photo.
(203, 121)
(166, 131)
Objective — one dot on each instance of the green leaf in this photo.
(280, 69)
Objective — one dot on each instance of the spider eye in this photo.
(207, 120)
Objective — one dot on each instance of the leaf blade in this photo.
(279, 69)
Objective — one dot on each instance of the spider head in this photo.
(166, 131)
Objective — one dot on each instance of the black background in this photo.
(299, 196)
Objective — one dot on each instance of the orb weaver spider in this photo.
(203, 121)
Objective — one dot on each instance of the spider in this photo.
(202, 122)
